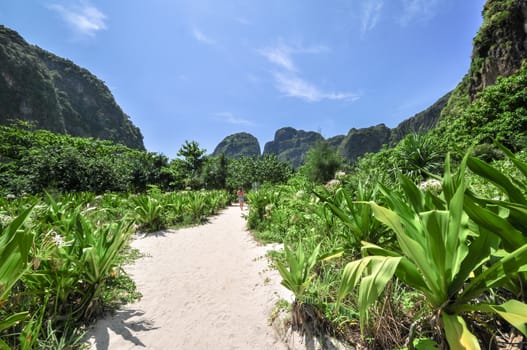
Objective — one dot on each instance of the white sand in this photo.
(205, 287)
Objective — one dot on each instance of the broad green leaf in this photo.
(514, 312)
(386, 216)
(381, 270)
(336, 253)
(413, 194)
(351, 276)
(14, 248)
(519, 164)
(486, 171)
(478, 254)
(414, 250)
(406, 270)
(434, 265)
(457, 234)
(12, 320)
(512, 238)
(3, 345)
(495, 275)
(457, 334)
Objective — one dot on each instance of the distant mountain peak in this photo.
(238, 145)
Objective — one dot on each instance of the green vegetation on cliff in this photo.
(58, 95)
(238, 145)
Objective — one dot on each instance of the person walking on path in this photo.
(241, 197)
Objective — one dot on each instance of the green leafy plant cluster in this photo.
(440, 264)
(61, 257)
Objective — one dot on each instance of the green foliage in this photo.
(15, 243)
(358, 218)
(193, 156)
(34, 161)
(322, 162)
(456, 253)
(438, 255)
(149, 212)
(238, 145)
(417, 156)
(247, 172)
(497, 113)
(215, 172)
(296, 270)
(58, 95)
(61, 260)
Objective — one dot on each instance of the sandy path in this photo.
(205, 287)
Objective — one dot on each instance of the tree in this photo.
(193, 158)
(322, 162)
(214, 172)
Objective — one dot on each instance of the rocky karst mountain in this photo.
(291, 145)
(500, 45)
(238, 145)
(57, 95)
(500, 49)
(366, 140)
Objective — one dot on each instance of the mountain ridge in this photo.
(57, 95)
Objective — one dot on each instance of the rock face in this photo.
(238, 145)
(499, 49)
(500, 45)
(58, 95)
(361, 141)
(335, 141)
(291, 145)
(421, 122)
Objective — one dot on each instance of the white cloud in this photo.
(417, 10)
(294, 86)
(84, 18)
(370, 14)
(232, 119)
(287, 79)
(199, 36)
(282, 55)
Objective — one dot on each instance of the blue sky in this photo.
(204, 69)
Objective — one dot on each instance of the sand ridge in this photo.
(204, 287)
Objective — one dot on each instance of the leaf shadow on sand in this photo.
(120, 323)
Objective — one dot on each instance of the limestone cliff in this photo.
(57, 95)
(291, 145)
(238, 145)
(500, 45)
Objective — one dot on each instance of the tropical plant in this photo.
(322, 162)
(15, 244)
(149, 212)
(296, 270)
(358, 219)
(418, 155)
(440, 252)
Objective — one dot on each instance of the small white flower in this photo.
(431, 185)
(332, 184)
(340, 175)
(58, 240)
